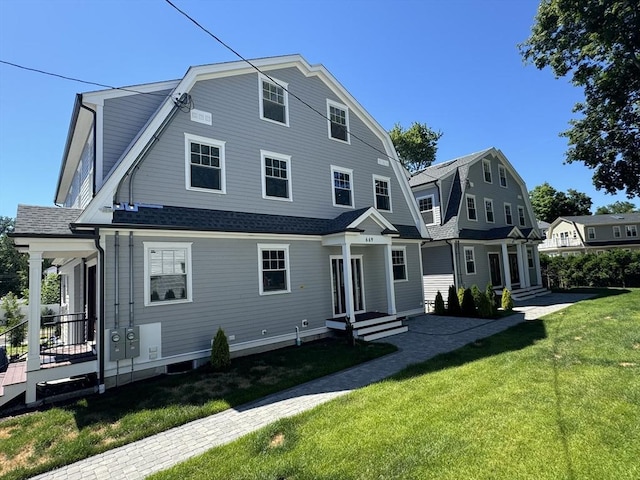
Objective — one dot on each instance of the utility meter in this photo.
(116, 345)
(132, 342)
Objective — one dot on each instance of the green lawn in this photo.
(43, 440)
(552, 399)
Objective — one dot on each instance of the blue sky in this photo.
(452, 64)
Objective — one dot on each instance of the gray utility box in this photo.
(124, 343)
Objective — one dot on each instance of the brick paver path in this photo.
(428, 336)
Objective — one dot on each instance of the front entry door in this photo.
(494, 267)
(337, 285)
(513, 269)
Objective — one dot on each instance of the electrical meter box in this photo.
(132, 342)
(117, 349)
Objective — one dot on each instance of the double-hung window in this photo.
(488, 210)
(486, 170)
(398, 256)
(276, 176)
(204, 164)
(273, 269)
(591, 233)
(274, 100)
(616, 232)
(469, 260)
(167, 273)
(508, 216)
(342, 185)
(426, 209)
(521, 217)
(338, 122)
(472, 213)
(382, 192)
(632, 230)
(502, 174)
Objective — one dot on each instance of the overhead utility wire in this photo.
(79, 80)
(193, 20)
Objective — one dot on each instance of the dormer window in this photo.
(502, 173)
(472, 213)
(274, 100)
(338, 116)
(486, 169)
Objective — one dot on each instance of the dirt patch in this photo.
(636, 346)
(627, 364)
(6, 432)
(22, 459)
(277, 440)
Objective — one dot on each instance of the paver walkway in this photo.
(428, 336)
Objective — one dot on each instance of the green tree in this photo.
(616, 207)
(416, 146)
(51, 289)
(220, 356)
(12, 318)
(453, 304)
(598, 43)
(13, 265)
(439, 305)
(549, 204)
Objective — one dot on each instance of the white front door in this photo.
(337, 285)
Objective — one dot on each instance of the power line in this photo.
(217, 39)
(64, 77)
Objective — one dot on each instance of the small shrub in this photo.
(439, 305)
(507, 301)
(220, 357)
(460, 295)
(468, 306)
(484, 307)
(475, 291)
(13, 317)
(453, 304)
(491, 296)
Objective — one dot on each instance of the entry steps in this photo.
(369, 326)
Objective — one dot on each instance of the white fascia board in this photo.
(200, 234)
(99, 96)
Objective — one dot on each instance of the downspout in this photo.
(95, 139)
(116, 301)
(131, 289)
(101, 322)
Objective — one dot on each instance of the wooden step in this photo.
(378, 327)
(385, 333)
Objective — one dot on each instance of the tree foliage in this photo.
(617, 207)
(612, 268)
(50, 289)
(549, 204)
(13, 265)
(598, 43)
(416, 146)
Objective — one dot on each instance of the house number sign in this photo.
(368, 239)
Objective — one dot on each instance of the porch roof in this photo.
(34, 221)
(199, 219)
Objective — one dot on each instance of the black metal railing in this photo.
(13, 344)
(66, 338)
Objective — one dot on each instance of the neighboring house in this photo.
(574, 235)
(543, 227)
(220, 200)
(482, 226)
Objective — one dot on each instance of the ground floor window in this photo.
(398, 256)
(167, 272)
(469, 260)
(274, 269)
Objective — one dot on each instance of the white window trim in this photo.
(505, 213)
(348, 171)
(331, 103)
(591, 233)
(475, 204)
(278, 83)
(188, 138)
(147, 273)
(523, 216)
(274, 246)
(628, 228)
(277, 156)
(384, 179)
(404, 257)
(473, 257)
(493, 210)
(487, 162)
(433, 207)
(502, 168)
(617, 229)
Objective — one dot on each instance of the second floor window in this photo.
(205, 164)
(616, 232)
(382, 194)
(632, 231)
(426, 209)
(488, 209)
(338, 121)
(508, 217)
(521, 217)
(273, 101)
(591, 233)
(472, 214)
(342, 186)
(276, 175)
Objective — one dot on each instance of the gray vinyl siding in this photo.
(409, 294)
(81, 188)
(234, 105)
(482, 275)
(437, 260)
(604, 233)
(123, 118)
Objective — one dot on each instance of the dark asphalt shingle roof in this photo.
(606, 219)
(45, 221)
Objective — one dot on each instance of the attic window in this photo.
(486, 169)
(502, 173)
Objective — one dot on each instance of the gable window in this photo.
(472, 213)
(486, 169)
(426, 209)
(632, 230)
(502, 173)
(399, 264)
(204, 164)
(591, 233)
(469, 261)
(508, 217)
(276, 176)
(382, 193)
(342, 184)
(167, 273)
(273, 268)
(488, 210)
(274, 100)
(616, 232)
(338, 122)
(521, 218)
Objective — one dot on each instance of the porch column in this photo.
(522, 259)
(391, 290)
(33, 334)
(348, 281)
(536, 265)
(505, 262)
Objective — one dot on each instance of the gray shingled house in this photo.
(482, 226)
(219, 200)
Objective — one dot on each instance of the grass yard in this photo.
(43, 440)
(557, 398)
